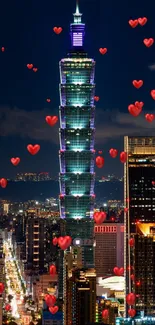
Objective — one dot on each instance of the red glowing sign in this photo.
(106, 229)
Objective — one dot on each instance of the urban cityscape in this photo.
(77, 246)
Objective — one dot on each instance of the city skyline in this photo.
(22, 100)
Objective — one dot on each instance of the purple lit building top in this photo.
(77, 30)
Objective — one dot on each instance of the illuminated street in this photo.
(13, 283)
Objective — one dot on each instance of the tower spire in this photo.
(77, 7)
(77, 15)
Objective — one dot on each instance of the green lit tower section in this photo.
(77, 155)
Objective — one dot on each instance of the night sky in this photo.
(26, 32)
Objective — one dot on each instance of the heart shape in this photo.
(123, 157)
(2, 48)
(153, 183)
(142, 21)
(126, 210)
(153, 94)
(96, 98)
(29, 66)
(53, 310)
(118, 271)
(50, 300)
(139, 104)
(51, 120)
(137, 83)
(103, 50)
(57, 30)
(33, 150)
(133, 23)
(148, 41)
(64, 242)
(134, 110)
(48, 100)
(113, 152)
(99, 162)
(15, 161)
(100, 217)
(149, 117)
(35, 69)
(3, 182)
(55, 241)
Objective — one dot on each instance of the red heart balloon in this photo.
(55, 241)
(149, 117)
(153, 94)
(116, 270)
(113, 153)
(121, 271)
(105, 313)
(153, 183)
(15, 161)
(123, 157)
(131, 312)
(33, 150)
(3, 182)
(48, 100)
(103, 50)
(139, 104)
(35, 69)
(96, 98)
(2, 48)
(53, 310)
(133, 23)
(131, 242)
(133, 110)
(51, 120)
(29, 66)
(126, 210)
(1, 288)
(148, 41)
(52, 269)
(57, 30)
(142, 21)
(99, 162)
(137, 83)
(130, 298)
(7, 307)
(100, 217)
(50, 300)
(64, 242)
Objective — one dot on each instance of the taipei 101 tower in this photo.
(77, 155)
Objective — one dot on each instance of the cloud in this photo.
(27, 124)
(109, 125)
(117, 124)
(152, 67)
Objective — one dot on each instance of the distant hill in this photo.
(23, 191)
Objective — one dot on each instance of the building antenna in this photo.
(77, 7)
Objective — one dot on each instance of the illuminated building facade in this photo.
(80, 296)
(139, 197)
(109, 248)
(142, 259)
(77, 90)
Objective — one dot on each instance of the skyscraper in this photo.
(139, 197)
(77, 90)
(109, 245)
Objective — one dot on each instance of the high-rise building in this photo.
(109, 248)
(80, 296)
(35, 243)
(40, 252)
(77, 90)
(139, 198)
